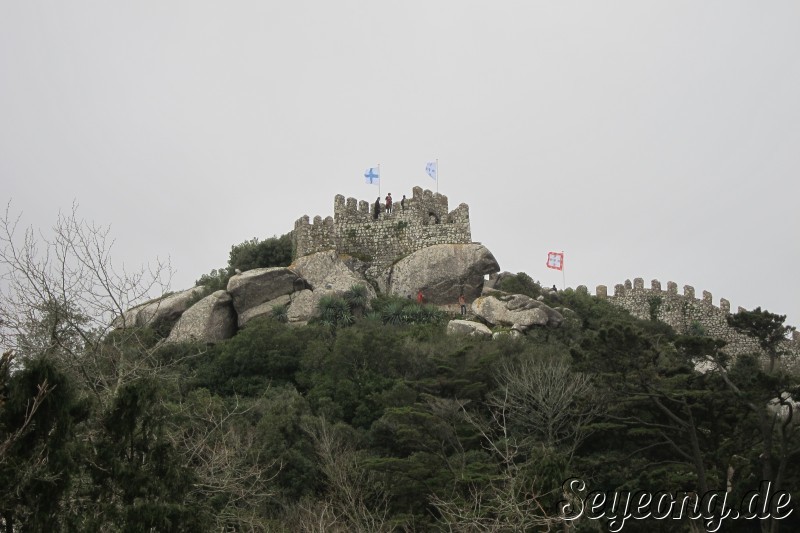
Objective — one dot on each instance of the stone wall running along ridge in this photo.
(686, 313)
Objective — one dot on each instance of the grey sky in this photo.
(645, 139)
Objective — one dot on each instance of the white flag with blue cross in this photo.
(372, 176)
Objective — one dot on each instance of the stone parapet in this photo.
(355, 230)
(685, 313)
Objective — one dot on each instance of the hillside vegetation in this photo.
(372, 419)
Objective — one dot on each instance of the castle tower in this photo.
(354, 230)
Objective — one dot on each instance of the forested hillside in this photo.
(372, 419)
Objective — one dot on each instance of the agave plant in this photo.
(412, 313)
(357, 297)
(394, 312)
(280, 312)
(431, 314)
(335, 311)
(374, 316)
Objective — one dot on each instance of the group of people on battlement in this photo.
(389, 208)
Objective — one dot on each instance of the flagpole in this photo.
(437, 174)
(563, 275)
(379, 182)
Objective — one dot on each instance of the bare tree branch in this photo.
(42, 390)
(60, 295)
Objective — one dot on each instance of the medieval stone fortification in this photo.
(354, 230)
(685, 313)
(421, 246)
(426, 221)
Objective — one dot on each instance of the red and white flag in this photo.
(555, 260)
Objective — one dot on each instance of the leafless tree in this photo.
(548, 401)
(221, 449)
(60, 295)
(355, 502)
(505, 506)
(541, 406)
(510, 502)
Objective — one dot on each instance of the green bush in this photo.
(262, 353)
(396, 310)
(272, 252)
(215, 280)
(280, 312)
(335, 311)
(521, 283)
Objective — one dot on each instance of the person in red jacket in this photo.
(389, 203)
(420, 296)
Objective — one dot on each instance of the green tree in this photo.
(139, 481)
(280, 437)
(520, 283)
(215, 280)
(247, 255)
(39, 460)
(263, 353)
(272, 252)
(767, 328)
(766, 428)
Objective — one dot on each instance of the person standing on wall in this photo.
(403, 203)
(377, 207)
(389, 203)
(463, 303)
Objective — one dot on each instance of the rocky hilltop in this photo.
(420, 245)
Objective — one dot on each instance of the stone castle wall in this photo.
(353, 229)
(686, 313)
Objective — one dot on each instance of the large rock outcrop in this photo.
(212, 319)
(303, 307)
(495, 280)
(516, 310)
(323, 273)
(443, 272)
(330, 272)
(160, 313)
(326, 273)
(263, 309)
(468, 328)
(260, 288)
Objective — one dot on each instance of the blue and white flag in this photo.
(372, 176)
(432, 169)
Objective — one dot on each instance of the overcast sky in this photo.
(645, 139)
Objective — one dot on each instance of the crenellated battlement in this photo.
(628, 289)
(422, 220)
(424, 206)
(685, 312)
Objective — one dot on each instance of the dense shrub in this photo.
(255, 253)
(520, 283)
